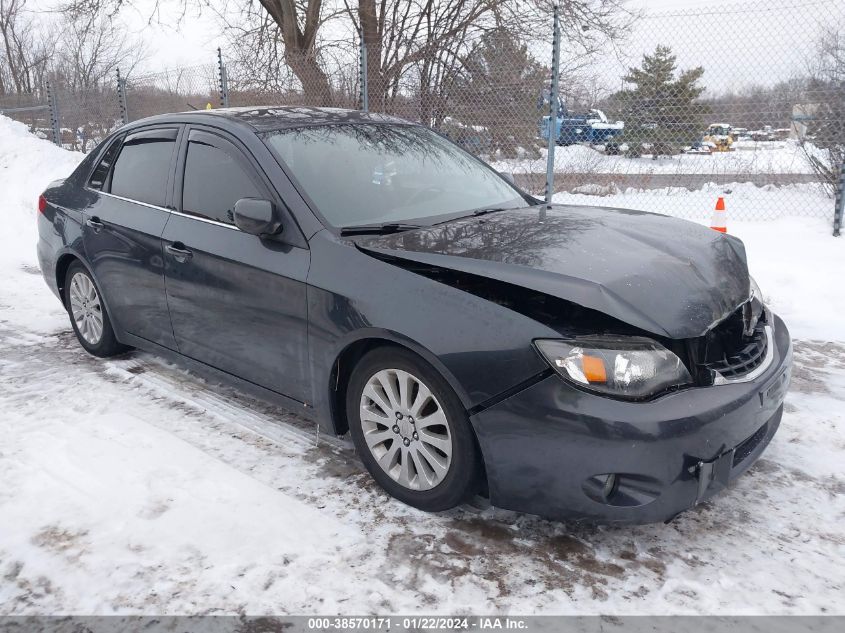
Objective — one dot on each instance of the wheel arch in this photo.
(352, 350)
(63, 263)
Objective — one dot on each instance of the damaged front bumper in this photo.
(563, 453)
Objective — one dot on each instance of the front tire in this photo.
(411, 431)
(88, 314)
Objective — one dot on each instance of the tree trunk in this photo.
(371, 30)
(315, 84)
(300, 46)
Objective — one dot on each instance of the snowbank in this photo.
(27, 165)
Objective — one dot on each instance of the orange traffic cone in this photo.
(717, 222)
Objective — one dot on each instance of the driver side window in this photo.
(214, 180)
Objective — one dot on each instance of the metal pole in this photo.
(362, 67)
(840, 201)
(222, 80)
(553, 105)
(121, 98)
(54, 114)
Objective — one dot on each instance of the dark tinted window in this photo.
(98, 178)
(142, 168)
(214, 181)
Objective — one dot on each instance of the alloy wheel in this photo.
(86, 308)
(406, 429)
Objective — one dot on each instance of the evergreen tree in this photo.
(663, 107)
(498, 89)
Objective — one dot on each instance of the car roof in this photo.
(270, 118)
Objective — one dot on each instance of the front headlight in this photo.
(625, 366)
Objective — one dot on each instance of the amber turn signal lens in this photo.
(593, 367)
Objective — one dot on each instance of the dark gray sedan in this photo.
(579, 362)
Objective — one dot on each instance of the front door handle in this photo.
(179, 252)
(95, 224)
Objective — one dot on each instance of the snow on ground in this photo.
(743, 201)
(765, 157)
(132, 486)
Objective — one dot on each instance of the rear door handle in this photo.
(179, 252)
(95, 224)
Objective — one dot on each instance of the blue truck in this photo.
(592, 127)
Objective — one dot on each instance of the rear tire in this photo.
(88, 314)
(411, 430)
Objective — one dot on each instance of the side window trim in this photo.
(168, 133)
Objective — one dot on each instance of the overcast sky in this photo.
(736, 45)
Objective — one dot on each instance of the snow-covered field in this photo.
(744, 201)
(132, 486)
(749, 157)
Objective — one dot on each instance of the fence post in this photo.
(54, 114)
(362, 71)
(222, 80)
(553, 106)
(840, 200)
(121, 98)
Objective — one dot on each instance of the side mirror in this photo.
(256, 217)
(507, 176)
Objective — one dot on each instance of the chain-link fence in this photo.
(30, 109)
(743, 102)
(177, 90)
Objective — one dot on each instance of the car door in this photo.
(122, 230)
(237, 301)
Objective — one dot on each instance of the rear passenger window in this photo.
(214, 181)
(142, 169)
(101, 172)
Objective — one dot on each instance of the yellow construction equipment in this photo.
(719, 135)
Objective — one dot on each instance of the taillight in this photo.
(42, 203)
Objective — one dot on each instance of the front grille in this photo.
(739, 363)
(730, 352)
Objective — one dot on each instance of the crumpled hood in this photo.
(664, 275)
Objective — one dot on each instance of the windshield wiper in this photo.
(475, 213)
(379, 229)
(490, 210)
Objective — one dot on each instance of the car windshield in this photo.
(360, 174)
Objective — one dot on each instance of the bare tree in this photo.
(298, 23)
(24, 52)
(408, 41)
(294, 23)
(91, 49)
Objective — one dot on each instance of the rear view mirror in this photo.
(507, 176)
(256, 217)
